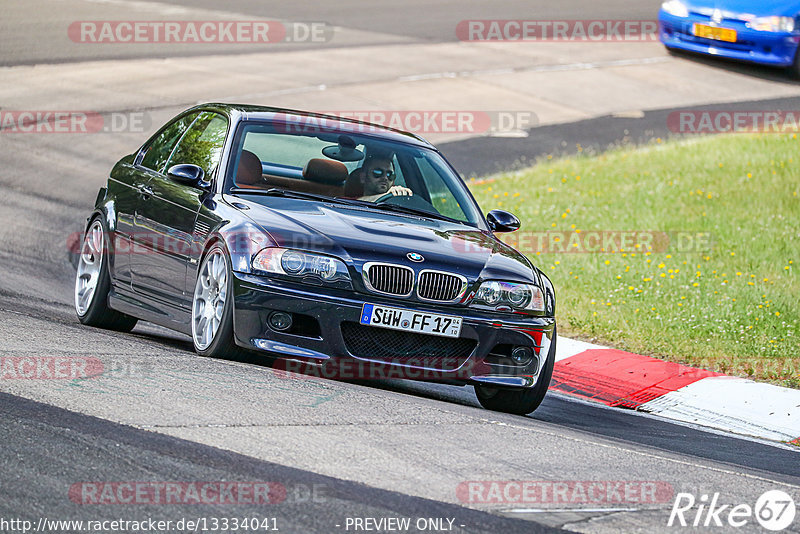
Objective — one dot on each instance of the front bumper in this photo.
(337, 311)
(776, 49)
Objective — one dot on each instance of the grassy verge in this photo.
(718, 287)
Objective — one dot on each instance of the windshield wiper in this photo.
(277, 192)
(413, 211)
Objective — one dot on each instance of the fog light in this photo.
(522, 355)
(280, 321)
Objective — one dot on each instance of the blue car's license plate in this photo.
(410, 320)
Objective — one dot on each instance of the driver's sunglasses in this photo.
(377, 173)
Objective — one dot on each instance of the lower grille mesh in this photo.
(407, 348)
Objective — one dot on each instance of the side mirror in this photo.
(502, 221)
(188, 174)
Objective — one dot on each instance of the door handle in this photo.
(146, 191)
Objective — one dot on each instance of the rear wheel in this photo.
(519, 401)
(93, 283)
(212, 307)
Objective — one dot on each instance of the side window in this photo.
(157, 153)
(202, 144)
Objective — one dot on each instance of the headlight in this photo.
(772, 24)
(314, 268)
(508, 296)
(676, 8)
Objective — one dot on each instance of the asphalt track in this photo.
(380, 449)
(490, 155)
(37, 37)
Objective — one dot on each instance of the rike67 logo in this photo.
(774, 510)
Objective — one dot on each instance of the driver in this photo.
(377, 179)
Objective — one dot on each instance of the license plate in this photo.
(718, 34)
(411, 321)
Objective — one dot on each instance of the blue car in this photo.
(766, 32)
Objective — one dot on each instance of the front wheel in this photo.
(520, 401)
(93, 283)
(212, 307)
(794, 69)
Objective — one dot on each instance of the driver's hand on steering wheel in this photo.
(399, 191)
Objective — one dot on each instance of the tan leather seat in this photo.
(320, 176)
(249, 173)
(353, 188)
(325, 171)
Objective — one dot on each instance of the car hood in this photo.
(757, 8)
(359, 235)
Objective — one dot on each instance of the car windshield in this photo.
(364, 168)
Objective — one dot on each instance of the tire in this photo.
(212, 307)
(794, 69)
(93, 282)
(519, 401)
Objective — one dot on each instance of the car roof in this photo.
(329, 123)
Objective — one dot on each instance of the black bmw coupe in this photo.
(317, 240)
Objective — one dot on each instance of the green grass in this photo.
(731, 306)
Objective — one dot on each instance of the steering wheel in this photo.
(411, 201)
